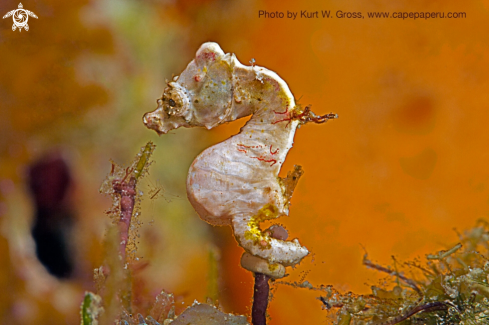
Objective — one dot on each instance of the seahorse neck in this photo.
(270, 130)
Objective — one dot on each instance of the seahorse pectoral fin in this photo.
(257, 243)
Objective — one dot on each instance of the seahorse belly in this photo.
(224, 182)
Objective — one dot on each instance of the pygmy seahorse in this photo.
(236, 181)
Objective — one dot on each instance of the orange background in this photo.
(404, 164)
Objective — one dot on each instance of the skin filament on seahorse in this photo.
(236, 181)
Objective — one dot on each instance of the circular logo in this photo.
(20, 18)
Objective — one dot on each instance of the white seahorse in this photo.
(236, 181)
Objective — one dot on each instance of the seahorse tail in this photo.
(254, 241)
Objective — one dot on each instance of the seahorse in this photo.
(236, 182)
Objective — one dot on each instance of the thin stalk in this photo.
(260, 299)
(262, 287)
(127, 191)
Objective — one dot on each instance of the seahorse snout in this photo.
(155, 121)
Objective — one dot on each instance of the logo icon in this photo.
(20, 17)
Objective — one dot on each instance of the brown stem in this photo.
(127, 191)
(262, 288)
(432, 306)
(380, 268)
(260, 299)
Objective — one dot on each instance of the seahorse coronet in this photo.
(236, 182)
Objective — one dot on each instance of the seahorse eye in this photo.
(175, 104)
(175, 99)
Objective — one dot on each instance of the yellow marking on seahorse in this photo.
(273, 267)
(269, 211)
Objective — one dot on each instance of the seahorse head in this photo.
(172, 112)
(200, 96)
